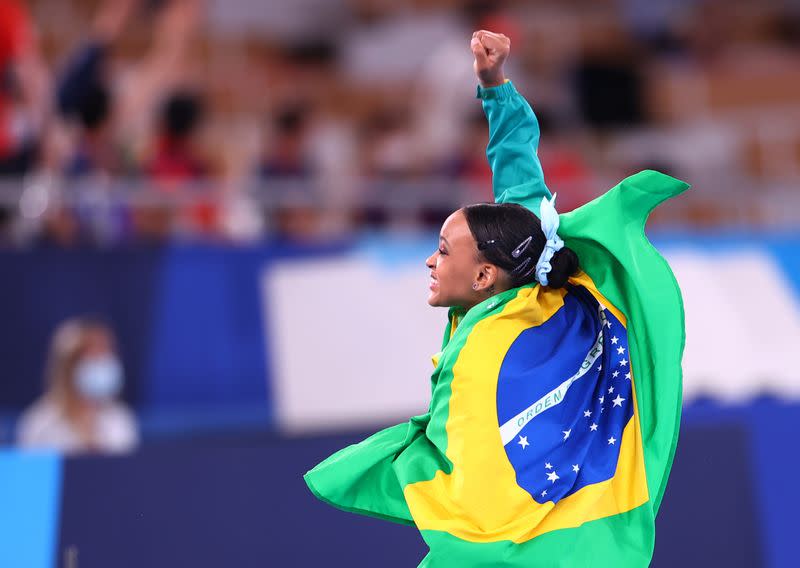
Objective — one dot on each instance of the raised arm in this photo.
(513, 128)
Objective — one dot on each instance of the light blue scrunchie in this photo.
(549, 217)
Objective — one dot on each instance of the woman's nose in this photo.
(430, 261)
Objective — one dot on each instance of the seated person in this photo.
(80, 411)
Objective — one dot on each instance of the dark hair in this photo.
(291, 119)
(93, 106)
(181, 113)
(500, 229)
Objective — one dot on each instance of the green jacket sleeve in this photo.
(513, 144)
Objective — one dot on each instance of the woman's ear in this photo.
(487, 277)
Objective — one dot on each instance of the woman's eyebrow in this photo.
(441, 238)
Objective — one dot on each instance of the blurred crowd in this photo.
(146, 120)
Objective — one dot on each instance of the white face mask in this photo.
(99, 378)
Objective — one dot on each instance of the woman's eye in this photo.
(442, 251)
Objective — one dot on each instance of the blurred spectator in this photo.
(288, 159)
(100, 216)
(388, 155)
(441, 105)
(469, 162)
(287, 155)
(658, 25)
(176, 157)
(178, 169)
(466, 167)
(85, 98)
(23, 96)
(389, 145)
(565, 168)
(93, 153)
(23, 89)
(608, 81)
(80, 410)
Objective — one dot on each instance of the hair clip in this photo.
(486, 244)
(521, 266)
(517, 252)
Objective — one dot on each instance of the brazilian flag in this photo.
(554, 413)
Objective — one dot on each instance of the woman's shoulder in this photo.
(42, 423)
(42, 410)
(119, 430)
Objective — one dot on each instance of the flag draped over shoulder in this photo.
(554, 413)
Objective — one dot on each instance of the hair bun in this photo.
(564, 264)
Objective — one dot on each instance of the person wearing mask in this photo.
(80, 411)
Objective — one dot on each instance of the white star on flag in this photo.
(628, 376)
(587, 413)
(593, 427)
(602, 399)
(614, 340)
(566, 433)
(599, 367)
(608, 324)
(612, 440)
(544, 492)
(620, 350)
(548, 466)
(610, 390)
(623, 362)
(615, 374)
(523, 441)
(552, 476)
(575, 468)
(618, 401)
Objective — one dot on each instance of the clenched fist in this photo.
(490, 51)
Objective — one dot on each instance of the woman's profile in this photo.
(556, 395)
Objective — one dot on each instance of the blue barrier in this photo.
(30, 493)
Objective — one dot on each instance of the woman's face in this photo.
(97, 375)
(455, 266)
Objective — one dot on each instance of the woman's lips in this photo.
(433, 283)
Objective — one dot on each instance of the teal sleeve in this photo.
(517, 175)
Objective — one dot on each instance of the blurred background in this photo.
(214, 216)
